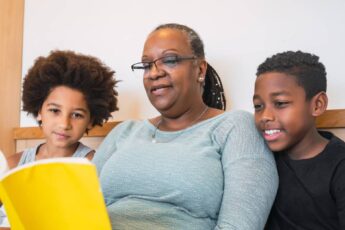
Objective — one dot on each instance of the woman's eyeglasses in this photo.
(164, 62)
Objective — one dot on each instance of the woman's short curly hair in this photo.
(84, 73)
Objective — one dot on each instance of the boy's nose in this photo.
(267, 115)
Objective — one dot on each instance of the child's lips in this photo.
(61, 136)
(272, 134)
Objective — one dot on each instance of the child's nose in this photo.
(65, 122)
(267, 115)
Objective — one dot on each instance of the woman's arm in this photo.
(250, 177)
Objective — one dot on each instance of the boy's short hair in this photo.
(84, 73)
(310, 74)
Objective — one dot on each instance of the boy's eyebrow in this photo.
(283, 92)
(255, 96)
(275, 94)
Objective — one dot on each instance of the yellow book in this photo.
(54, 194)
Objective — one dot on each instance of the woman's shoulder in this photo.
(234, 118)
(126, 127)
(239, 115)
(236, 122)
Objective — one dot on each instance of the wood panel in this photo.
(36, 132)
(334, 118)
(331, 119)
(11, 43)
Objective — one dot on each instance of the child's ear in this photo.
(90, 125)
(319, 104)
(39, 117)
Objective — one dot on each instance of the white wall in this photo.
(238, 36)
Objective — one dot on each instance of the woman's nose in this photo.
(155, 72)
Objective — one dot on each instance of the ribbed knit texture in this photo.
(217, 174)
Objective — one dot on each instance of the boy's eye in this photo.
(258, 107)
(170, 61)
(281, 104)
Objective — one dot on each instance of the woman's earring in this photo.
(200, 79)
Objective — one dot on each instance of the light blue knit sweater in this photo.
(217, 174)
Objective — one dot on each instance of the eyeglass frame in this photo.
(149, 63)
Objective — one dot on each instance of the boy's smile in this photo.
(271, 134)
(282, 112)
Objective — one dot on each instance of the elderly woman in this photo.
(194, 166)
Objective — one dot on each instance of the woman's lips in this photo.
(159, 90)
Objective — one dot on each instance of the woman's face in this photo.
(171, 83)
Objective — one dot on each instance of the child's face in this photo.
(282, 113)
(65, 117)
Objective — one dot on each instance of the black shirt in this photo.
(311, 193)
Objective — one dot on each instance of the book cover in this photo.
(57, 193)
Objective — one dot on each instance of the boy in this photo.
(290, 92)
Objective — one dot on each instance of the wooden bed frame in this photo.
(332, 120)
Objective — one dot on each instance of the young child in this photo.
(290, 92)
(68, 94)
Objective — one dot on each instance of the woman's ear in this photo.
(202, 69)
(319, 104)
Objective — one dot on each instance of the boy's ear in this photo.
(319, 104)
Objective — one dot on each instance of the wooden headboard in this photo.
(332, 120)
(24, 133)
(26, 137)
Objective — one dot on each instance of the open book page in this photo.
(56, 193)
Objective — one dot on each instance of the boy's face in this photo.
(282, 113)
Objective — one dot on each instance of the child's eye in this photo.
(77, 115)
(54, 110)
(281, 104)
(258, 107)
